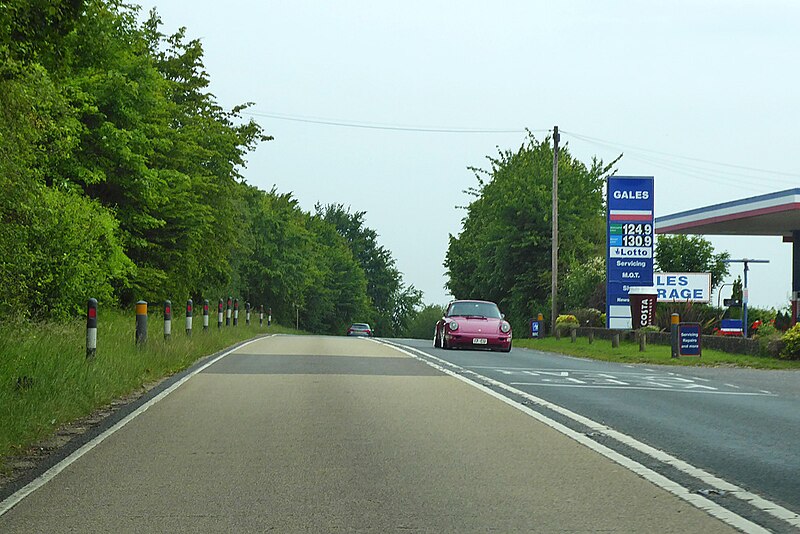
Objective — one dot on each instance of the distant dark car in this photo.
(359, 329)
(473, 324)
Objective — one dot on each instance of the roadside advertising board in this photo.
(630, 239)
(683, 287)
(534, 328)
(689, 339)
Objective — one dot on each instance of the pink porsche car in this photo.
(473, 324)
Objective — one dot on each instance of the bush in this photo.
(589, 317)
(791, 344)
(651, 328)
(783, 321)
(66, 251)
(585, 284)
(566, 322)
(759, 317)
(689, 312)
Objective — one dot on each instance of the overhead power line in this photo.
(618, 146)
(663, 160)
(378, 126)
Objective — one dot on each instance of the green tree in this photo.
(392, 301)
(154, 146)
(57, 248)
(691, 254)
(584, 285)
(423, 322)
(503, 250)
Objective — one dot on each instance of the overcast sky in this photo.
(668, 84)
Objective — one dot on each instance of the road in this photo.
(327, 434)
(742, 426)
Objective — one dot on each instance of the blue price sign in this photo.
(629, 248)
(689, 339)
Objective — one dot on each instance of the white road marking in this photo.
(657, 385)
(48, 475)
(662, 387)
(654, 381)
(769, 507)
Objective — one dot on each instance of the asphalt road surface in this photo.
(742, 426)
(325, 434)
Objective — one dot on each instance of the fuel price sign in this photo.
(629, 259)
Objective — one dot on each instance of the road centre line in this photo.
(769, 507)
(51, 473)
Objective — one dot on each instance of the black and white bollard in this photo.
(235, 312)
(228, 311)
(189, 318)
(219, 314)
(141, 322)
(261, 315)
(205, 315)
(247, 310)
(91, 329)
(269, 317)
(167, 319)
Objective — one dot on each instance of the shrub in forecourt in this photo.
(791, 344)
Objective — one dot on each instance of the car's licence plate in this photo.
(479, 341)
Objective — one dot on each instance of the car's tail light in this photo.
(505, 328)
(453, 325)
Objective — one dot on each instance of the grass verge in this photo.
(46, 380)
(628, 352)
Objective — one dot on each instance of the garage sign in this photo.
(629, 250)
(683, 287)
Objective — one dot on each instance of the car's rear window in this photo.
(479, 309)
(360, 326)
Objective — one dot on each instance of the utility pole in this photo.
(554, 255)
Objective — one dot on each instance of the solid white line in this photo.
(754, 500)
(48, 475)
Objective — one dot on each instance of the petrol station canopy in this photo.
(776, 214)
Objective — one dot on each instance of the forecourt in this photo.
(327, 434)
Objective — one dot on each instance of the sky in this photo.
(699, 94)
